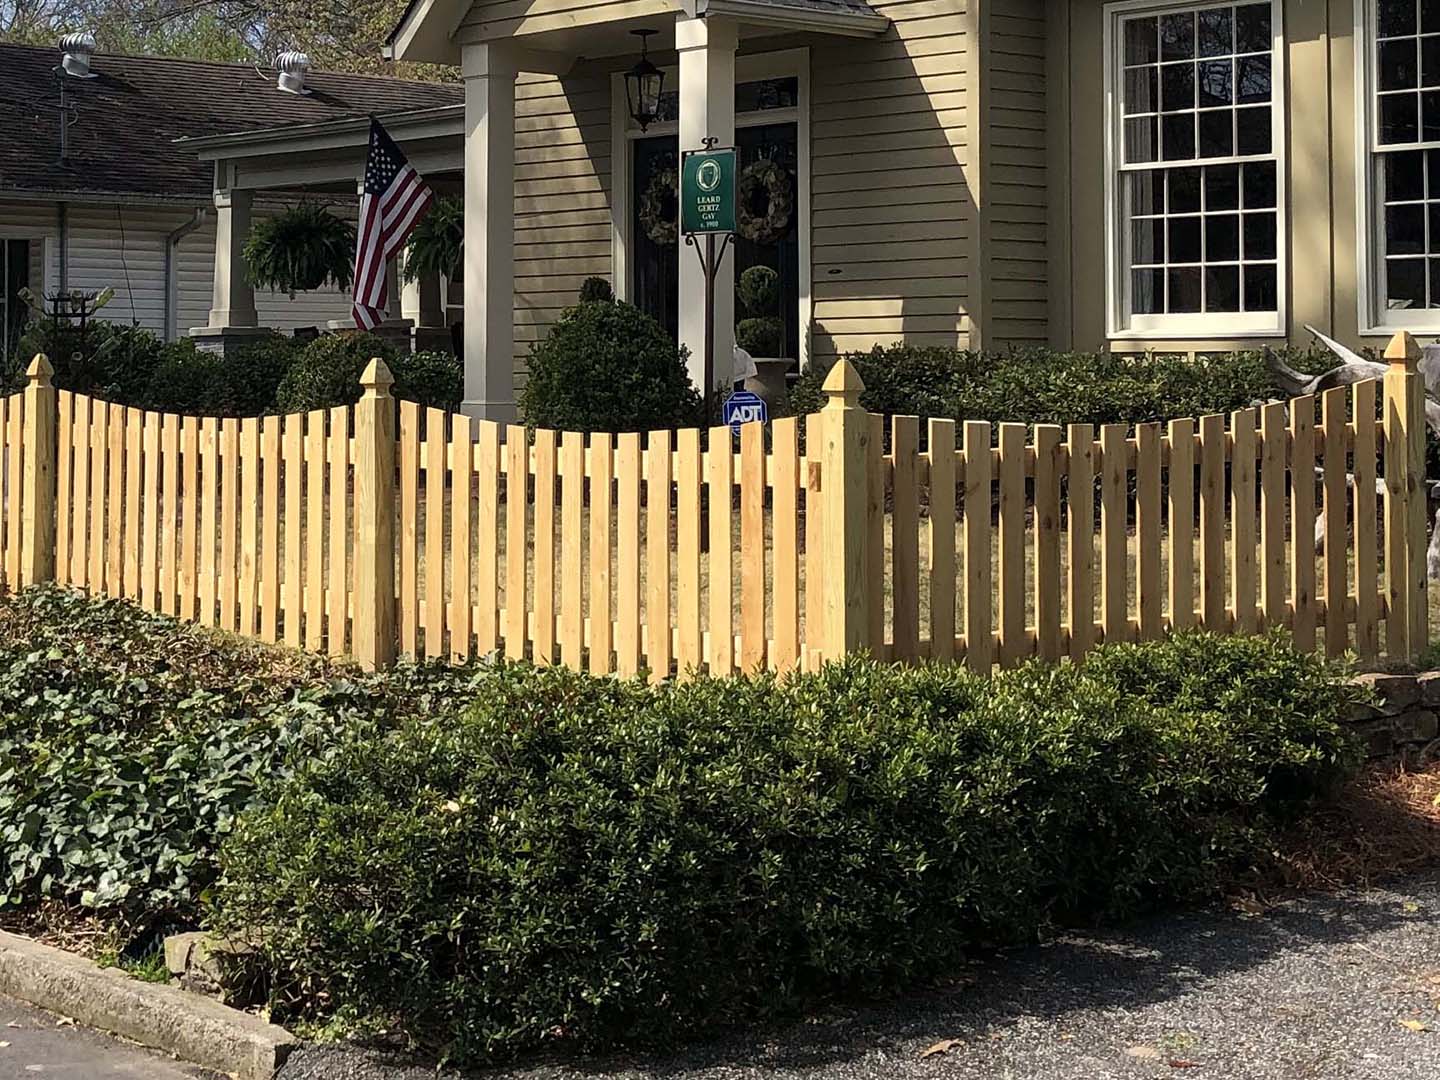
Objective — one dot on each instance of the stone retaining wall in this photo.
(1406, 720)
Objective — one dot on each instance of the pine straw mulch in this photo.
(1384, 824)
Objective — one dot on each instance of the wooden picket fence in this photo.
(378, 529)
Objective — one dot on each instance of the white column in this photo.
(707, 107)
(489, 278)
(233, 302)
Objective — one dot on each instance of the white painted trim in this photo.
(1369, 213)
(752, 67)
(1119, 324)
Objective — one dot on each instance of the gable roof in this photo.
(125, 121)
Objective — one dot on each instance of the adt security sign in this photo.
(707, 191)
(743, 407)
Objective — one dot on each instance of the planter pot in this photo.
(769, 379)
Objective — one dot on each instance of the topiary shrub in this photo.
(607, 367)
(594, 289)
(591, 861)
(760, 332)
(326, 372)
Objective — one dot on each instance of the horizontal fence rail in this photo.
(382, 528)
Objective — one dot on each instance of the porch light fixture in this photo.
(643, 84)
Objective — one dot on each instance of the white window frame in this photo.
(751, 67)
(43, 245)
(1119, 320)
(1374, 316)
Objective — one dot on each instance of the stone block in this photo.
(1429, 684)
(1395, 692)
(1415, 726)
(1378, 737)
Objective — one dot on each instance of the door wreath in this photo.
(766, 201)
(660, 205)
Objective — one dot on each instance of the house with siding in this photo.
(1133, 174)
(113, 202)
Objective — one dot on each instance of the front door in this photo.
(766, 113)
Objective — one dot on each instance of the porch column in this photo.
(707, 107)
(233, 301)
(489, 279)
(421, 304)
(233, 322)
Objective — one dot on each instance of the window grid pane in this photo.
(1410, 229)
(1202, 80)
(1407, 72)
(1197, 162)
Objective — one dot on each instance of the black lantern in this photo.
(643, 84)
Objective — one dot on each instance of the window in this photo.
(1194, 166)
(14, 276)
(1403, 164)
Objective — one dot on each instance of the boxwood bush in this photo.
(586, 861)
(327, 371)
(1043, 386)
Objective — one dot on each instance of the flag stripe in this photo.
(393, 199)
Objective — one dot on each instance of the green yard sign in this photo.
(707, 191)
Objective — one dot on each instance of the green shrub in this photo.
(327, 371)
(588, 860)
(1041, 386)
(129, 742)
(108, 360)
(191, 380)
(607, 367)
(595, 289)
(434, 379)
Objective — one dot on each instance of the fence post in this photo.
(373, 622)
(37, 494)
(842, 574)
(1407, 622)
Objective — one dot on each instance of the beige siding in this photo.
(892, 210)
(1016, 255)
(562, 196)
(490, 19)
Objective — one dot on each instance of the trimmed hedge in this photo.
(1042, 386)
(607, 366)
(588, 861)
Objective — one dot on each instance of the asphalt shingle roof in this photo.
(126, 120)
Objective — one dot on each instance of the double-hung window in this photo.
(1402, 163)
(1193, 170)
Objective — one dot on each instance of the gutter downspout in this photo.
(172, 287)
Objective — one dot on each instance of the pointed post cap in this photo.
(377, 380)
(1403, 351)
(843, 386)
(40, 370)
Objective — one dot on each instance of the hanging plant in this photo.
(299, 250)
(765, 201)
(437, 246)
(660, 204)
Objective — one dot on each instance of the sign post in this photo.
(707, 208)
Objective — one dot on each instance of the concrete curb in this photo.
(193, 1028)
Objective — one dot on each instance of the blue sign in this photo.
(743, 407)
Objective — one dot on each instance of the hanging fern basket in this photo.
(437, 246)
(300, 250)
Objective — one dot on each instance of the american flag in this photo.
(393, 200)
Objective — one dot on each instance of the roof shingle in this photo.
(125, 121)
